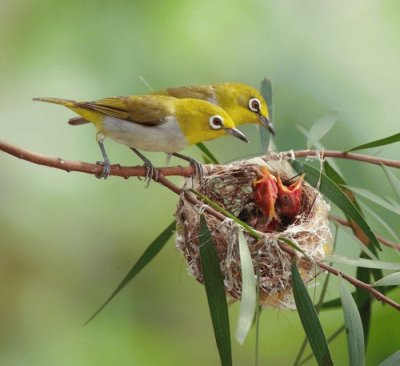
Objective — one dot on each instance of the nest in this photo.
(232, 187)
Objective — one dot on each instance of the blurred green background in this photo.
(68, 239)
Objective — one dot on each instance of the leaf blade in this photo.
(309, 320)
(355, 334)
(152, 250)
(215, 291)
(266, 92)
(393, 360)
(321, 127)
(208, 154)
(332, 191)
(375, 199)
(381, 142)
(248, 298)
(390, 280)
(393, 180)
(363, 262)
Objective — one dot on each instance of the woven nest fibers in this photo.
(268, 195)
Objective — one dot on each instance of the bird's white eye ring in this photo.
(216, 122)
(254, 105)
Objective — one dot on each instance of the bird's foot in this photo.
(197, 167)
(151, 172)
(105, 172)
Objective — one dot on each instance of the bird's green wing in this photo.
(148, 110)
(204, 92)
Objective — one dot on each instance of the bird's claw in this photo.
(197, 169)
(151, 173)
(105, 172)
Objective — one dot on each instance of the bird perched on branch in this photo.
(151, 123)
(243, 103)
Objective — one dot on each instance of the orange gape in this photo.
(265, 193)
(288, 203)
(275, 200)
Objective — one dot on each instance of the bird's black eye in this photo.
(216, 122)
(254, 105)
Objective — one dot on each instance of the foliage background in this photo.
(68, 239)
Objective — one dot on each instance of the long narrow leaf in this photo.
(321, 127)
(376, 199)
(393, 360)
(379, 219)
(335, 303)
(381, 142)
(266, 92)
(332, 191)
(151, 251)
(215, 290)
(309, 319)
(208, 154)
(362, 298)
(331, 338)
(249, 295)
(362, 262)
(355, 335)
(393, 180)
(391, 280)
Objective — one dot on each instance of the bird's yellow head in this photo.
(201, 121)
(243, 103)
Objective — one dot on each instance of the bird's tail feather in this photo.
(65, 102)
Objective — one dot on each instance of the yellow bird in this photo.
(151, 123)
(243, 103)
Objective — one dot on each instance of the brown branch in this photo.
(344, 155)
(78, 166)
(126, 172)
(354, 281)
(383, 240)
(139, 171)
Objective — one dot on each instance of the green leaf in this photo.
(151, 251)
(219, 208)
(209, 156)
(332, 191)
(321, 127)
(393, 180)
(381, 142)
(390, 280)
(335, 303)
(363, 298)
(362, 262)
(393, 360)
(266, 92)
(355, 335)
(309, 320)
(376, 199)
(292, 244)
(215, 290)
(249, 295)
(381, 221)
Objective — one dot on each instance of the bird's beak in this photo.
(235, 132)
(267, 124)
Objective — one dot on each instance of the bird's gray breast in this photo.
(166, 136)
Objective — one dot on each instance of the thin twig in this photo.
(95, 169)
(139, 171)
(344, 155)
(383, 240)
(354, 281)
